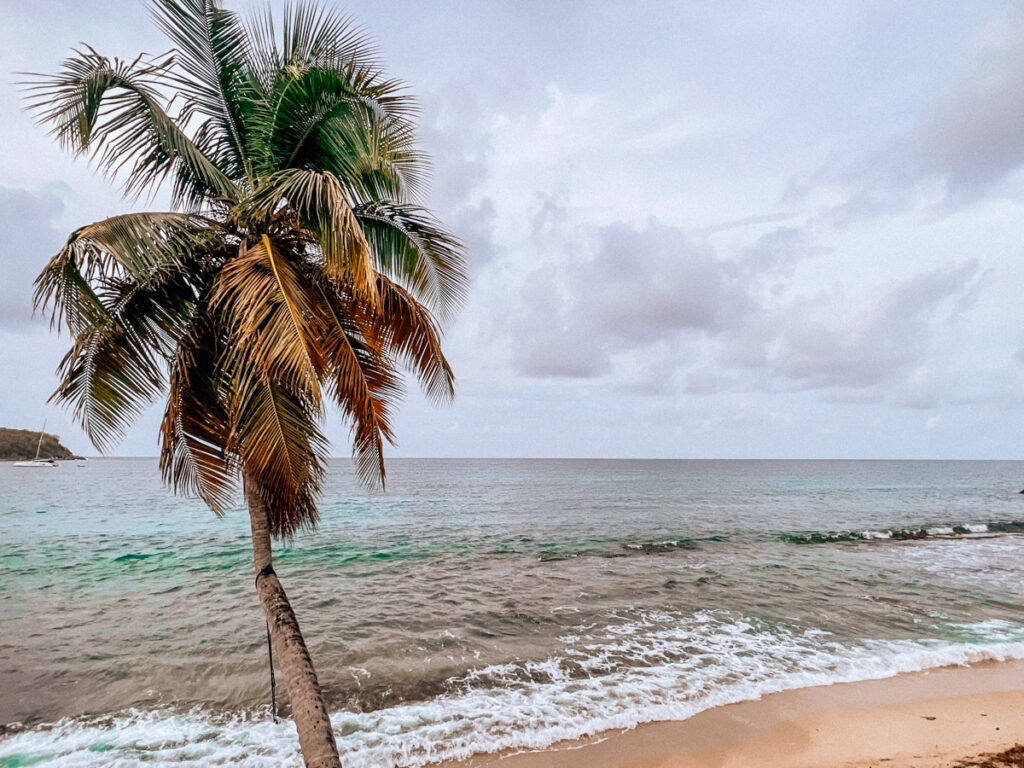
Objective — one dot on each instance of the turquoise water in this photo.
(482, 604)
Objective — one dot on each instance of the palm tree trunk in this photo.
(316, 737)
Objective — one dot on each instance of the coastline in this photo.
(930, 719)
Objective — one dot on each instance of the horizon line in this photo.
(611, 458)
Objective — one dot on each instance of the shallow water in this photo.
(488, 604)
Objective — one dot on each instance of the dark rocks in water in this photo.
(656, 547)
(822, 537)
(10, 729)
(555, 557)
(899, 534)
(910, 533)
(1009, 526)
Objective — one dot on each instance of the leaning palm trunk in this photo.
(316, 736)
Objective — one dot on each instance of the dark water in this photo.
(487, 604)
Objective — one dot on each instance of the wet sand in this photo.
(931, 719)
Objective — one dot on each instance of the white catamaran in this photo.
(37, 462)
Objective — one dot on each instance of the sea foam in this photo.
(654, 666)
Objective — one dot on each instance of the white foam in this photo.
(657, 666)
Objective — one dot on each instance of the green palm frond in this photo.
(141, 246)
(74, 302)
(113, 370)
(376, 151)
(345, 121)
(112, 109)
(211, 49)
(123, 287)
(108, 378)
(309, 34)
(411, 246)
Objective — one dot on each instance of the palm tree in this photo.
(293, 271)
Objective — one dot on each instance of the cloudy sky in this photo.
(715, 230)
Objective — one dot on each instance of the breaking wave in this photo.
(651, 666)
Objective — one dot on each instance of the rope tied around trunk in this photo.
(266, 571)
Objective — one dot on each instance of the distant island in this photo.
(20, 445)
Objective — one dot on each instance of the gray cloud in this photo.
(820, 345)
(708, 381)
(548, 342)
(973, 136)
(883, 350)
(452, 134)
(967, 138)
(642, 286)
(28, 238)
(647, 284)
(655, 313)
(473, 224)
(776, 254)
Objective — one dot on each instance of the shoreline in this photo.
(929, 719)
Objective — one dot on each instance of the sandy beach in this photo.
(938, 719)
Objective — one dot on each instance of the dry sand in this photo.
(922, 720)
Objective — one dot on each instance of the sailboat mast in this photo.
(39, 445)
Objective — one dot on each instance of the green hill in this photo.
(20, 444)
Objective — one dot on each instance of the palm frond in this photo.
(270, 307)
(75, 303)
(124, 287)
(411, 246)
(280, 442)
(211, 51)
(111, 108)
(349, 122)
(142, 246)
(411, 335)
(358, 139)
(195, 433)
(313, 34)
(361, 377)
(323, 207)
(326, 105)
(113, 370)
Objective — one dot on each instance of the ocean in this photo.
(481, 605)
